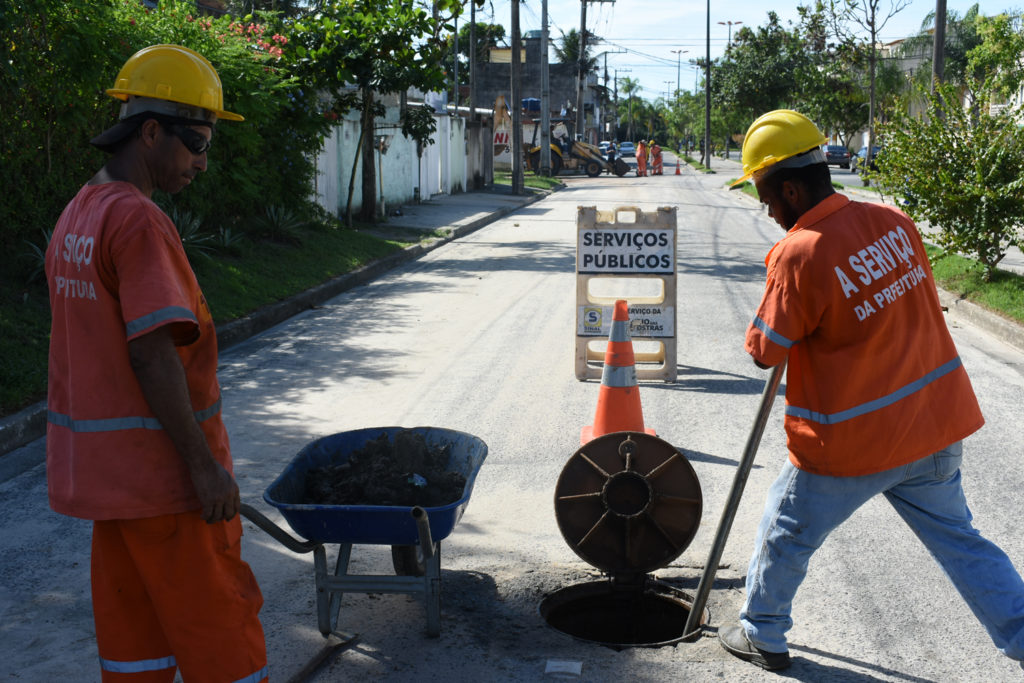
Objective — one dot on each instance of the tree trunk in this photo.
(352, 180)
(368, 211)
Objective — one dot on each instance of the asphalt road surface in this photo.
(478, 336)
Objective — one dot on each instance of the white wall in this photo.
(441, 170)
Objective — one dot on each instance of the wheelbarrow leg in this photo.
(328, 599)
(432, 592)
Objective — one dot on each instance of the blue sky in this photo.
(650, 29)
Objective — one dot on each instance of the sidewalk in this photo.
(457, 215)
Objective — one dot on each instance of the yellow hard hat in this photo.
(171, 73)
(776, 136)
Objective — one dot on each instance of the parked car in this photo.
(837, 155)
(627, 149)
(604, 145)
(861, 156)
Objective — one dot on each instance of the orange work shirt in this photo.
(874, 380)
(117, 270)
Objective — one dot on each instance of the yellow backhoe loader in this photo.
(573, 156)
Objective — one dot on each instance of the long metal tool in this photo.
(739, 482)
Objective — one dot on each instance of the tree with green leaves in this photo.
(962, 36)
(871, 16)
(962, 172)
(629, 87)
(567, 50)
(377, 46)
(487, 37)
(57, 60)
(761, 72)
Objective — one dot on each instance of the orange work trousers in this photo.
(172, 592)
(641, 164)
(656, 164)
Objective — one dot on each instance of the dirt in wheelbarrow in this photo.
(405, 472)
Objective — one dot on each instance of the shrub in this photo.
(962, 170)
(56, 60)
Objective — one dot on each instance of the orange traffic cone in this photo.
(618, 404)
(677, 167)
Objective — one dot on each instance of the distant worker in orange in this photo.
(877, 397)
(656, 162)
(641, 159)
(135, 440)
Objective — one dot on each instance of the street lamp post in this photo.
(707, 92)
(678, 54)
(730, 24)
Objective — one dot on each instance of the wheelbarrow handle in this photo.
(286, 539)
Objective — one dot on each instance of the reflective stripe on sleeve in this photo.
(615, 376)
(114, 424)
(139, 665)
(772, 334)
(878, 403)
(156, 317)
(254, 677)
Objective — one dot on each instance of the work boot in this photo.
(734, 640)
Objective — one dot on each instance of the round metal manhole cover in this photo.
(628, 503)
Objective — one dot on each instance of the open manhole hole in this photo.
(627, 503)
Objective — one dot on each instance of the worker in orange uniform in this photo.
(877, 398)
(656, 163)
(135, 440)
(641, 159)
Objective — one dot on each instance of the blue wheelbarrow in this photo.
(414, 533)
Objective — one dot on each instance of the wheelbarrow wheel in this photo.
(408, 560)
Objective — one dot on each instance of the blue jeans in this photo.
(803, 508)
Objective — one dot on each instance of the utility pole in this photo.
(455, 48)
(545, 95)
(582, 74)
(938, 47)
(616, 136)
(707, 94)
(667, 90)
(472, 60)
(516, 105)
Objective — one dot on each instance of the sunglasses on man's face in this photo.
(196, 142)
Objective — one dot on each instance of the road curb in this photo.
(999, 327)
(29, 424)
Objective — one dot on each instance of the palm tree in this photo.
(630, 86)
(568, 52)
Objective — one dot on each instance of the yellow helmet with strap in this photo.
(777, 136)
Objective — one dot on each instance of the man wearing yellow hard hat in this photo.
(877, 399)
(135, 439)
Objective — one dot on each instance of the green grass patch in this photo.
(263, 272)
(1004, 294)
(530, 179)
(267, 272)
(697, 165)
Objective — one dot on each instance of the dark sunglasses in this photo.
(195, 142)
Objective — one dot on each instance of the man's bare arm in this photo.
(165, 387)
